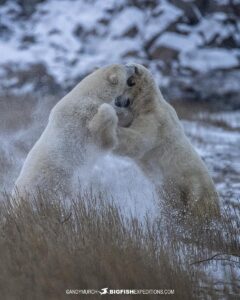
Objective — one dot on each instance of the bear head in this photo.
(139, 94)
(109, 82)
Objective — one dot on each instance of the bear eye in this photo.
(131, 82)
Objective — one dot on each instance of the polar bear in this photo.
(80, 126)
(157, 142)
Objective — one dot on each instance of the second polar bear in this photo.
(79, 127)
(158, 144)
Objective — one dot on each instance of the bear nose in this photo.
(118, 101)
(121, 102)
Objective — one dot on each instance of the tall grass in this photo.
(50, 245)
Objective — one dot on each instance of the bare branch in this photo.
(67, 218)
(215, 257)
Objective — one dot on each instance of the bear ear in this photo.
(137, 70)
(134, 69)
(113, 79)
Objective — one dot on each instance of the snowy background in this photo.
(52, 44)
(192, 48)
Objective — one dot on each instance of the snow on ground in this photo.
(71, 38)
(231, 119)
(219, 148)
(125, 20)
(176, 41)
(204, 60)
(164, 15)
(63, 37)
(222, 274)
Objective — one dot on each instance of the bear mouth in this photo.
(122, 102)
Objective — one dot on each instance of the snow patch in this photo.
(129, 18)
(166, 15)
(204, 60)
(178, 42)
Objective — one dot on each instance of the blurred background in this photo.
(192, 48)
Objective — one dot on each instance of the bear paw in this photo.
(107, 114)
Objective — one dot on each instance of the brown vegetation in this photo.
(48, 246)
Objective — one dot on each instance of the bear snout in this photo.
(122, 102)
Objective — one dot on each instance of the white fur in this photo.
(80, 126)
(158, 144)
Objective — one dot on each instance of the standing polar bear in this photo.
(158, 144)
(80, 126)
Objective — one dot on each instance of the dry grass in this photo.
(48, 246)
